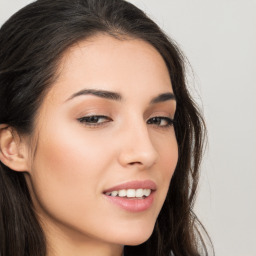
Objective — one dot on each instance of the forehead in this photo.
(104, 62)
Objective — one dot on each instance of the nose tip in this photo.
(138, 150)
(142, 159)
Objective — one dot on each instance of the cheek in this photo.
(168, 158)
(67, 170)
(66, 156)
(70, 148)
(167, 148)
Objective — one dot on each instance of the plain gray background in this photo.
(219, 39)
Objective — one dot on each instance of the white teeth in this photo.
(114, 193)
(122, 193)
(146, 192)
(130, 193)
(139, 193)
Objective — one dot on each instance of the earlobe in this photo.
(13, 152)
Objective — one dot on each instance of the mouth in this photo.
(130, 193)
(134, 196)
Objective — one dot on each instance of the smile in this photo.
(130, 193)
(133, 196)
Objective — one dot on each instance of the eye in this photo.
(95, 120)
(161, 121)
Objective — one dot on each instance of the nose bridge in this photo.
(137, 147)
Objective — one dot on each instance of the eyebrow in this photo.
(117, 96)
(99, 93)
(163, 97)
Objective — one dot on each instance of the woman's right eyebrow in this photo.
(118, 97)
(99, 93)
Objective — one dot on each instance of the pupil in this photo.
(93, 119)
(156, 120)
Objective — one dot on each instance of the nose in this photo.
(136, 147)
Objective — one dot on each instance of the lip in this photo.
(136, 184)
(133, 204)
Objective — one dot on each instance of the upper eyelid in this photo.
(172, 120)
(83, 118)
(107, 116)
(162, 115)
(98, 116)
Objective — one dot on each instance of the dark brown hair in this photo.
(32, 42)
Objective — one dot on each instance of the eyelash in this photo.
(92, 121)
(169, 121)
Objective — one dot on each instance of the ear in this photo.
(13, 151)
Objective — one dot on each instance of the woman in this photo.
(100, 140)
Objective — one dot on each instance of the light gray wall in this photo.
(219, 39)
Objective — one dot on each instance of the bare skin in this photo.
(77, 159)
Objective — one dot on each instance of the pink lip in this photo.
(133, 204)
(149, 184)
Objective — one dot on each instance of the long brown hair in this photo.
(32, 42)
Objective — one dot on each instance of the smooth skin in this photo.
(72, 159)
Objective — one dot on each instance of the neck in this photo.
(63, 242)
(84, 249)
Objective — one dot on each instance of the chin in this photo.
(135, 237)
(137, 240)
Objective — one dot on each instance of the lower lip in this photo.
(132, 205)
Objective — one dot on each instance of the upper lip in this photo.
(136, 184)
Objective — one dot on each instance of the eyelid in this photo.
(89, 123)
(159, 121)
(170, 121)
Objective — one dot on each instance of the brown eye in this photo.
(94, 120)
(161, 121)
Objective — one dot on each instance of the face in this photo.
(106, 147)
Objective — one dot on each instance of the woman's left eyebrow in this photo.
(163, 97)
